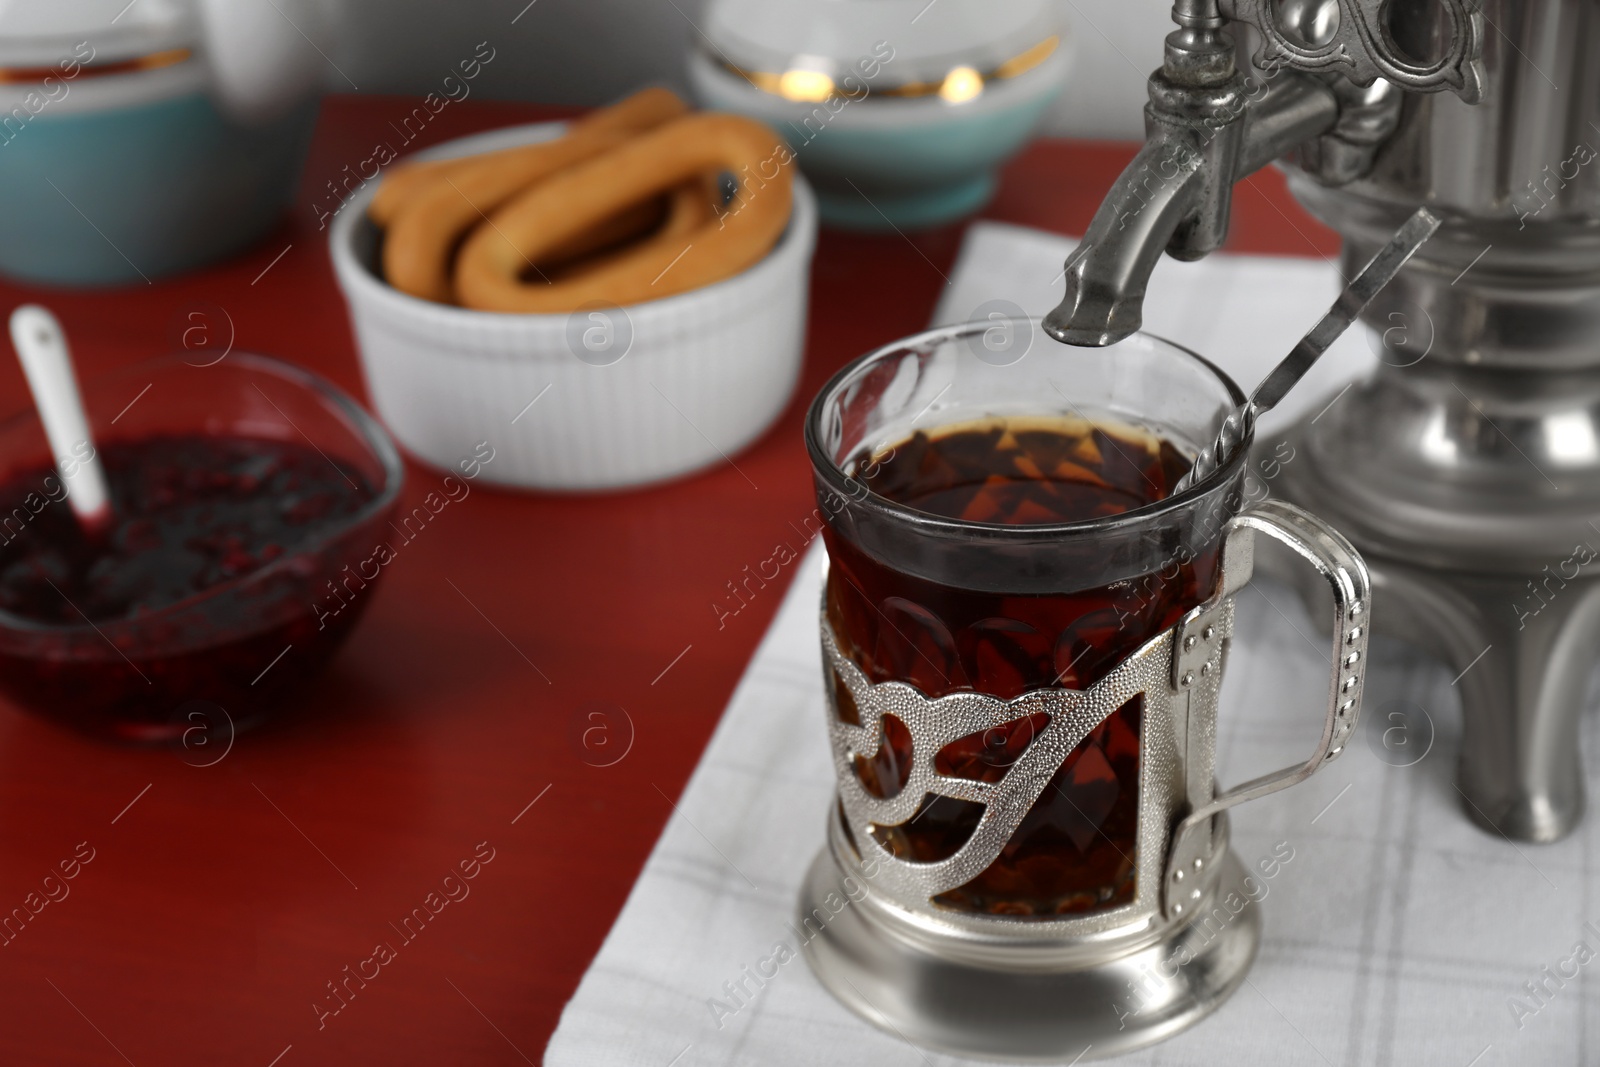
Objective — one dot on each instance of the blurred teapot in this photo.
(141, 138)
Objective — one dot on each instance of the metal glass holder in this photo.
(1091, 985)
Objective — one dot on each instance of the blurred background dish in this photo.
(141, 140)
(636, 394)
(591, 53)
(899, 111)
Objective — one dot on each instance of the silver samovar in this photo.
(1466, 468)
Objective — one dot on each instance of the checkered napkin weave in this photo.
(1398, 934)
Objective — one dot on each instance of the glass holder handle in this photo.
(1193, 853)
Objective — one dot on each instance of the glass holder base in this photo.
(1023, 1002)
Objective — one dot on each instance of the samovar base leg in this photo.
(1522, 649)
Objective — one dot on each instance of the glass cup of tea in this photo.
(1024, 634)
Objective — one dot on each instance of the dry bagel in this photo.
(431, 222)
(641, 111)
(688, 207)
(418, 245)
(492, 264)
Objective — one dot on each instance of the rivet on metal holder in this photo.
(1197, 644)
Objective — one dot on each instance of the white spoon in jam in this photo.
(42, 348)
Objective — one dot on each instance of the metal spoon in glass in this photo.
(42, 349)
(1355, 296)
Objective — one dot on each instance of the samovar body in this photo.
(1466, 467)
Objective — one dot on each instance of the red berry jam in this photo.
(199, 595)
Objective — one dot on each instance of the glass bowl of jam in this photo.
(243, 493)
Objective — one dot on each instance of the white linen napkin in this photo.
(1397, 934)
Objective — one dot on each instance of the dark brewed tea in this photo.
(1075, 851)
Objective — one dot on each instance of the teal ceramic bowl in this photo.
(882, 162)
(129, 177)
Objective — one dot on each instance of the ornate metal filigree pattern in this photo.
(1172, 709)
(1357, 44)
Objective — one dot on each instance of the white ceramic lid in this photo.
(928, 39)
(43, 33)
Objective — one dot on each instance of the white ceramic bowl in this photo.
(596, 399)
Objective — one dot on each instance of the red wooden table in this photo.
(221, 901)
